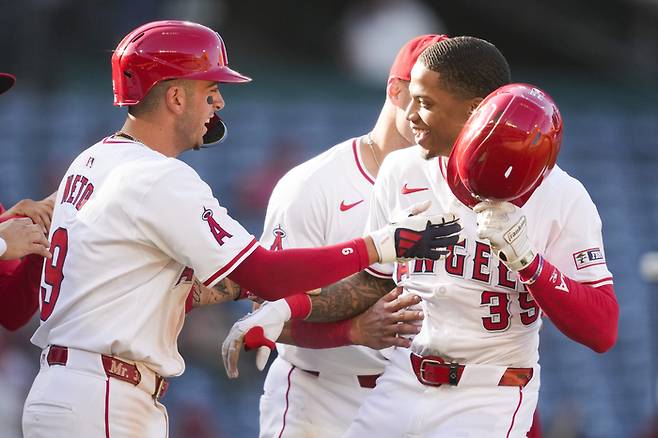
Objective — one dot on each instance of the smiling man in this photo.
(473, 369)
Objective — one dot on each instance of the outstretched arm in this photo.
(348, 298)
(377, 327)
(276, 274)
(389, 322)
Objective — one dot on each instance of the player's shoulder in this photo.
(143, 168)
(313, 180)
(326, 162)
(560, 183)
(322, 167)
(559, 194)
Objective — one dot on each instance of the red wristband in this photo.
(362, 251)
(300, 306)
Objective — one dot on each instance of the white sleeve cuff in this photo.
(3, 246)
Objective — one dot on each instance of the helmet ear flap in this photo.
(216, 131)
(6, 81)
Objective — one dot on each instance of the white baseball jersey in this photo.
(476, 310)
(130, 229)
(321, 202)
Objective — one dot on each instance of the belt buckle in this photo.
(161, 387)
(421, 372)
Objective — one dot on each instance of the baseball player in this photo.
(23, 245)
(473, 370)
(133, 226)
(310, 392)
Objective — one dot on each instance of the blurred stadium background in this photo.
(319, 72)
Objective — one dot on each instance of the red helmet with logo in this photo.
(507, 147)
(164, 50)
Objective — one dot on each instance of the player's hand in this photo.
(417, 237)
(506, 228)
(22, 237)
(41, 212)
(256, 330)
(379, 326)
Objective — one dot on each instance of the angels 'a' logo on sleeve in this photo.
(279, 235)
(217, 231)
(588, 257)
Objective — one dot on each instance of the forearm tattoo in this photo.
(348, 297)
(225, 290)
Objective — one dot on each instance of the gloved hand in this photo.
(417, 237)
(505, 226)
(258, 329)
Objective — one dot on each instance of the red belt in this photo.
(113, 367)
(366, 381)
(435, 371)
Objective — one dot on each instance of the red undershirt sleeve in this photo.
(588, 315)
(19, 292)
(272, 275)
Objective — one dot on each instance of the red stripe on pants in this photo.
(107, 408)
(515, 411)
(283, 427)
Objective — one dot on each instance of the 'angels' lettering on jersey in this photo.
(217, 231)
(77, 191)
(477, 265)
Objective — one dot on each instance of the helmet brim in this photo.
(6, 81)
(220, 74)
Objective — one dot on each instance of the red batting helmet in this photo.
(507, 147)
(6, 82)
(164, 50)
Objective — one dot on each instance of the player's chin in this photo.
(198, 141)
(428, 152)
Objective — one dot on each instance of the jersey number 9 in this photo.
(53, 272)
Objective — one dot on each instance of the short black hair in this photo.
(468, 67)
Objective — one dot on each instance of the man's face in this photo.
(436, 116)
(202, 99)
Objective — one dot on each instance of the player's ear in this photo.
(393, 90)
(474, 104)
(397, 91)
(175, 97)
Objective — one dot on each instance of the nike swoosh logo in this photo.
(345, 207)
(407, 190)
